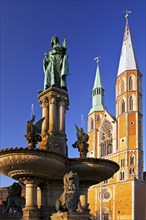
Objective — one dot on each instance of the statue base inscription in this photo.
(70, 216)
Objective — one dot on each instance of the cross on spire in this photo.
(97, 59)
(127, 15)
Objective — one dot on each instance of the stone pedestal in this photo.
(54, 103)
(31, 210)
(70, 216)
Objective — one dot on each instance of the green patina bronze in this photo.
(55, 65)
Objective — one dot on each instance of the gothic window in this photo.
(131, 171)
(122, 106)
(122, 162)
(105, 136)
(109, 149)
(122, 86)
(122, 175)
(132, 160)
(98, 118)
(92, 123)
(130, 83)
(130, 103)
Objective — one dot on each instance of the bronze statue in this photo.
(33, 132)
(55, 65)
(81, 143)
(14, 198)
(69, 199)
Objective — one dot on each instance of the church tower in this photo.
(119, 139)
(129, 109)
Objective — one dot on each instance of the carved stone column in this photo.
(31, 211)
(52, 115)
(62, 112)
(84, 199)
(45, 113)
(44, 208)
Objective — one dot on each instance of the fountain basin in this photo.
(93, 170)
(21, 162)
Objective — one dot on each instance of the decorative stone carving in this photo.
(14, 198)
(70, 197)
(81, 143)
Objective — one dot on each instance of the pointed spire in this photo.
(128, 59)
(97, 91)
(97, 81)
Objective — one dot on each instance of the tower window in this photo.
(132, 160)
(122, 175)
(92, 123)
(123, 106)
(122, 162)
(130, 83)
(130, 103)
(98, 118)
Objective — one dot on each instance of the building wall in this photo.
(125, 192)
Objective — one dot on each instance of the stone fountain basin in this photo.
(93, 170)
(22, 162)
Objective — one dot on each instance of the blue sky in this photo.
(91, 28)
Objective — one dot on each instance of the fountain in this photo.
(43, 169)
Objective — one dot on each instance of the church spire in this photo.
(128, 59)
(97, 91)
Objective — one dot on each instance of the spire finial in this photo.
(127, 15)
(97, 59)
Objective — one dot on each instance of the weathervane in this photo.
(127, 14)
(97, 59)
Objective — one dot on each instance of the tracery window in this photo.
(105, 136)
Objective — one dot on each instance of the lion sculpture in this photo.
(14, 198)
(69, 199)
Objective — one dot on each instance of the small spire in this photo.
(127, 15)
(97, 81)
(97, 91)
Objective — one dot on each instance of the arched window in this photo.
(130, 83)
(122, 106)
(109, 149)
(122, 162)
(130, 103)
(92, 123)
(122, 175)
(122, 86)
(98, 118)
(132, 160)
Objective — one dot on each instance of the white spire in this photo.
(127, 59)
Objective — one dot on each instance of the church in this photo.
(119, 138)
